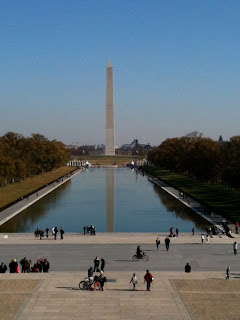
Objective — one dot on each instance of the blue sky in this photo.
(176, 68)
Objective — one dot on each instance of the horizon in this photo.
(175, 69)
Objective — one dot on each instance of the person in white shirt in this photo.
(134, 281)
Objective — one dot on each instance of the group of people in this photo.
(42, 265)
(91, 230)
(167, 243)
(172, 233)
(97, 266)
(148, 278)
(40, 233)
(100, 278)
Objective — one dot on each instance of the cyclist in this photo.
(139, 252)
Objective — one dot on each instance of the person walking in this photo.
(55, 233)
(157, 243)
(102, 264)
(148, 278)
(134, 281)
(176, 232)
(47, 231)
(96, 264)
(202, 238)
(235, 246)
(3, 268)
(193, 231)
(102, 279)
(228, 273)
(84, 230)
(61, 232)
(167, 243)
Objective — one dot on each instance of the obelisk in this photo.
(110, 141)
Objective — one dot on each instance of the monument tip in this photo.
(109, 64)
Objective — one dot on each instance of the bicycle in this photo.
(89, 284)
(143, 257)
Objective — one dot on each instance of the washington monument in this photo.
(110, 134)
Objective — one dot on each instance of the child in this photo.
(134, 281)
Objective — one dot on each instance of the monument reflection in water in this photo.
(110, 196)
(113, 200)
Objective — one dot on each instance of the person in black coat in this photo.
(61, 232)
(96, 264)
(55, 232)
(187, 268)
(102, 264)
(13, 266)
(45, 265)
(3, 268)
(167, 242)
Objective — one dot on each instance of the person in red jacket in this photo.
(148, 278)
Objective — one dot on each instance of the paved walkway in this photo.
(12, 211)
(58, 296)
(214, 219)
(113, 238)
(118, 257)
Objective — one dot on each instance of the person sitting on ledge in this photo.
(187, 268)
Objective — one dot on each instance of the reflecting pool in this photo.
(113, 200)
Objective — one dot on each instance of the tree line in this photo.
(22, 157)
(202, 158)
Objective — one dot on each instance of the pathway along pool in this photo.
(113, 200)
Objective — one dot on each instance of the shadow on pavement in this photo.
(125, 290)
(124, 260)
(68, 288)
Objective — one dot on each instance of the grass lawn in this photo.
(108, 160)
(14, 191)
(224, 201)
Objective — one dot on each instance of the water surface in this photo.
(114, 200)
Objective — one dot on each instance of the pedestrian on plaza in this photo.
(102, 279)
(134, 281)
(228, 273)
(47, 231)
(41, 233)
(187, 268)
(202, 238)
(3, 268)
(96, 264)
(61, 232)
(84, 230)
(235, 246)
(39, 264)
(13, 266)
(102, 264)
(176, 232)
(207, 239)
(24, 264)
(45, 265)
(193, 231)
(55, 233)
(94, 231)
(167, 242)
(148, 278)
(157, 243)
